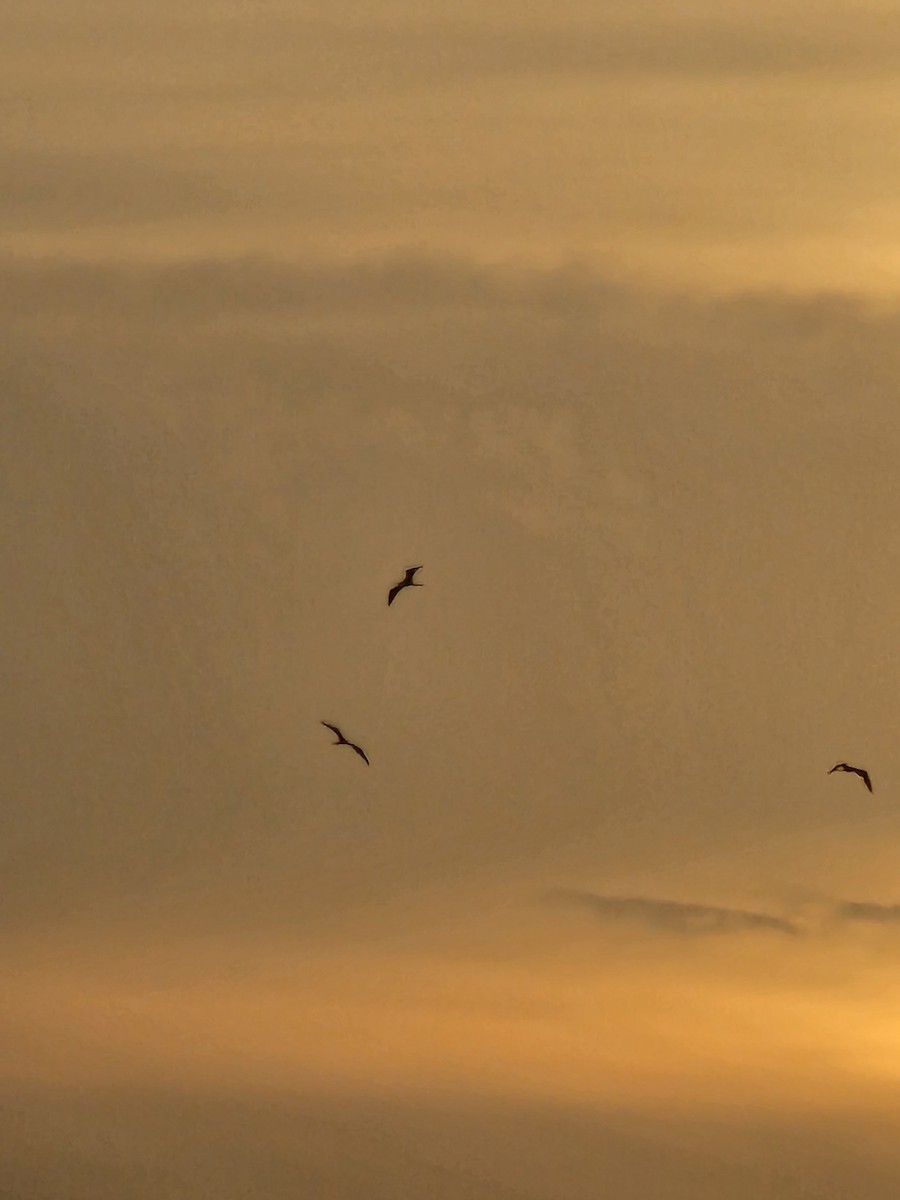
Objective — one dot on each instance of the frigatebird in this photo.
(406, 581)
(864, 775)
(342, 741)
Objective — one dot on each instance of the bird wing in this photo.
(860, 771)
(393, 592)
(410, 571)
(334, 729)
(359, 750)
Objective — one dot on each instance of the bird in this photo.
(406, 581)
(864, 775)
(342, 741)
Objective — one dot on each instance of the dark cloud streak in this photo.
(856, 910)
(679, 917)
(673, 916)
(300, 55)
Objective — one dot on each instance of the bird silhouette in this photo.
(406, 581)
(342, 741)
(864, 775)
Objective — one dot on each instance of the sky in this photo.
(594, 313)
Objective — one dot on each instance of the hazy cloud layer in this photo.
(652, 572)
(714, 145)
(45, 187)
(216, 466)
(130, 1144)
(315, 50)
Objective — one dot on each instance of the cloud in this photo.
(42, 188)
(610, 45)
(190, 128)
(301, 54)
(130, 1143)
(125, 1143)
(822, 912)
(856, 910)
(678, 917)
(674, 916)
(191, 449)
(574, 314)
(197, 288)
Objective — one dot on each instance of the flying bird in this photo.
(342, 741)
(406, 581)
(864, 775)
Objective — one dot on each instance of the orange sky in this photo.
(593, 313)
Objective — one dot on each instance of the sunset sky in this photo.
(592, 309)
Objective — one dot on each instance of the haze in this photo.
(593, 312)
